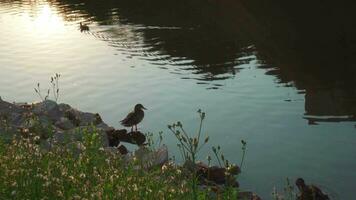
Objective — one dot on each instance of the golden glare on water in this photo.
(46, 21)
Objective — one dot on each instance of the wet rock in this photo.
(122, 150)
(214, 173)
(117, 136)
(137, 138)
(114, 136)
(64, 123)
(217, 175)
(122, 135)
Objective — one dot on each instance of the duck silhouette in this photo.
(83, 27)
(134, 117)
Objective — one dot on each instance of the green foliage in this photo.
(83, 169)
(29, 172)
(189, 147)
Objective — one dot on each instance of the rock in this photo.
(311, 192)
(64, 123)
(16, 119)
(234, 170)
(44, 121)
(248, 196)
(48, 108)
(7, 108)
(69, 136)
(59, 137)
(24, 105)
(122, 135)
(112, 150)
(64, 107)
(114, 136)
(122, 149)
(87, 119)
(98, 119)
(216, 174)
(44, 106)
(105, 127)
(79, 118)
(117, 136)
(72, 115)
(149, 159)
(137, 138)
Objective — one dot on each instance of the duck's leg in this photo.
(131, 128)
(136, 127)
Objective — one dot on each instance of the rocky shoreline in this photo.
(63, 121)
(54, 123)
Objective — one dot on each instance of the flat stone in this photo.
(149, 159)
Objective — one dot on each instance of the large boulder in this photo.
(148, 159)
(48, 108)
(64, 124)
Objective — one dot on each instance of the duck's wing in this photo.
(128, 119)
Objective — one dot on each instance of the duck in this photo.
(134, 117)
(309, 192)
(83, 27)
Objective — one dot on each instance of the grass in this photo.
(28, 171)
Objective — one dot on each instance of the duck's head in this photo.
(139, 107)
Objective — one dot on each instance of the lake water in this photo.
(280, 82)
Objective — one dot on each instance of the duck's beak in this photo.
(144, 108)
